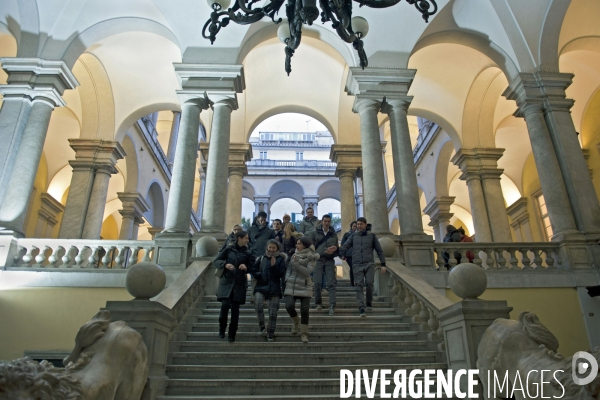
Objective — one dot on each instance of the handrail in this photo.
(184, 291)
(418, 299)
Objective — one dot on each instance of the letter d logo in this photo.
(584, 363)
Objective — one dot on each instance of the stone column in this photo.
(34, 88)
(181, 192)
(173, 137)
(479, 169)
(566, 183)
(348, 207)
(239, 154)
(215, 204)
(134, 207)
(90, 155)
(407, 191)
(312, 202)
(438, 210)
(261, 203)
(372, 165)
(520, 220)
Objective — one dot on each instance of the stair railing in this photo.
(418, 299)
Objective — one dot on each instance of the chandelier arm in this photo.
(249, 10)
(214, 25)
(378, 3)
(424, 6)
(358, 46)
(242, 19)
(293, 13)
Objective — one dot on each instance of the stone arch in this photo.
(27, 29)
(156, 213)
(139, 113)
(80, 42)
(292, 109)
(589, 43)
(550, 35)
(259, 34)
(477, 43)
(286, 188)
(330, 189)
(441, 122)
(480, 108)
(131, 164)
(96, 96)
(441, 169)
(248, 190)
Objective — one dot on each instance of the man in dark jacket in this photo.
(349, 257)
(452, 235)
(325, 241)
(260, 234)
(360, 246)
(278, 229)
(309, 223)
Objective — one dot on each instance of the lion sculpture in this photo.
(511, 348)
(109, 362)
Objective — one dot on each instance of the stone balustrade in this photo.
(82, 254)
(518, 256)
(417, 299)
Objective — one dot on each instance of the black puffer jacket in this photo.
(259, 236)
(323, 240)
(235, 281)
(360, 246)
(268, 278)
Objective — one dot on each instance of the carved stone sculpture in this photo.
(516, 349)
(109, 362)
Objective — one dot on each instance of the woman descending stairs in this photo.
(203, 366)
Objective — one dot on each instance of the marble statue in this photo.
(520, 350)
(109, 362)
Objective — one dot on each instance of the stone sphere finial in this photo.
(207, 246)
(388, 246)
(467, 281)
(145, 280)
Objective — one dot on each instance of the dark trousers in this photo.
(227, 304)
(328, 270)
(290, 306)
(365, 276)
(349, 261)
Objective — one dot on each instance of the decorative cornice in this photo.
(478, 163)
(346, 156)
(96, 154)
(439, 207)
(219, 81)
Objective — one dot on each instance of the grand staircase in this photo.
(203, 366)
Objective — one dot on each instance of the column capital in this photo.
(221, 82)
(96, 154)
(518, 210)
(365, 104)
(439, 207)
(36, 78)
(345, 173)
(134, 205)
(262, 199)
(347, 156)
(479, 163)
(395, 103)
(239, 170)
(545, 89)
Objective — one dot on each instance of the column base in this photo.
(417, 250)
(6, 231)
(217, 234)
(172, 250)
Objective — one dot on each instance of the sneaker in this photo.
(369, 307)
(262, 332)
(332, 311)
(319, 307)
(231, 339)
(270, 339)
(363, 313)
(222, 335)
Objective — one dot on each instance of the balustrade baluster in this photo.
(79, 257)
(28, 257)
(440, 258)
(451, 260)
(134, 256)
(424, 316)
(147, 251)
(549, 258)
(514, 262)
(40, 258)
(53, 259)
(537, 259)
(416, 310)
(525, 259)
(500, 260)
(434, 324)
(408, 301)
(68, 257)
(93, 258)
(106, 258)
(489, 261)
(477, 259)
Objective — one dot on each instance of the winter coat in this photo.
(289, 245)
(360, 246)
(322, 240)
(298, 282)
(452, 236)
(231, 239)
(279, 236)
(235, 281)
(268, 278)
(308, 224)
(344, 238)
(259, 236)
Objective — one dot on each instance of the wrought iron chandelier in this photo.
(298, 12)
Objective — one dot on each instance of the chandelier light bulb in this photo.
(360, 26)
(283, 32)
(223, 3)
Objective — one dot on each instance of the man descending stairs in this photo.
(202, 366)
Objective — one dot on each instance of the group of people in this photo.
(284, 262)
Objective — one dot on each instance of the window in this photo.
(547, 227)
(263, 155)
(299, 156)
